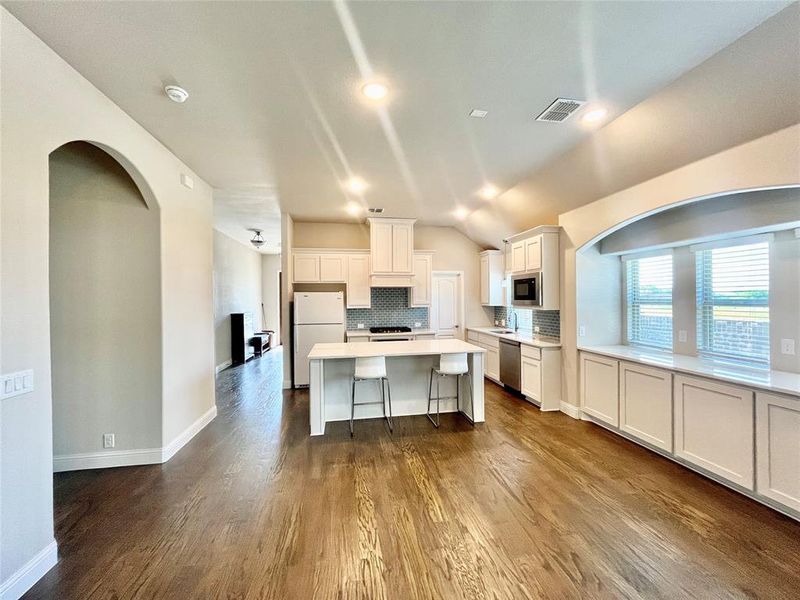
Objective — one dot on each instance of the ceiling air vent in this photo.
(375, 211)
(560, 110)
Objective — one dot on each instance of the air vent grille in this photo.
(375, 211)
(560, 110)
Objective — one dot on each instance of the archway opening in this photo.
(105, 313)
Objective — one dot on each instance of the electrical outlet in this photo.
(496, 323)
(417, 325)
(787, 346)
(360, 326)
(582, 331)
(502, 322)
(108, 440)
(682, 335)
(536, 329)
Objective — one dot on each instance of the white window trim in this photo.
(647, 254)
(731, 242)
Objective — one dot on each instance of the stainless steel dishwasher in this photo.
(509, 364)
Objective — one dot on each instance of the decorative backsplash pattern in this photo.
(548, 321)
(389, 307)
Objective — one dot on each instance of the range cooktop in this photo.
(390, 329)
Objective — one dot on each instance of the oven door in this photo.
(527, 290)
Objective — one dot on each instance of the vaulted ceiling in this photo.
(275, 116)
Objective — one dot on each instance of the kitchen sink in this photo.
(502, 330)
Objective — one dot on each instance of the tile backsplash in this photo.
(389, 307)
(548, 321)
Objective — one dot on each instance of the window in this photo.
(733, 302)
(648, 284)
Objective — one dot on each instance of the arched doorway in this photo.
(105, 313)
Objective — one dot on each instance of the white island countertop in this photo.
(412, 348)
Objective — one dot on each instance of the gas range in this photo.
(391, 329)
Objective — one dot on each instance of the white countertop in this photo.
(366, 333)
(766, 379)
(414, 348)
(538, 342)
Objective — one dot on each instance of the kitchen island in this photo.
(408, 366)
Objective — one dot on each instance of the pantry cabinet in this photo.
(491, 278)
(599, 387)
(645, 404)
(359, 294)
(420, 294)
(778, 448)
(714, 428)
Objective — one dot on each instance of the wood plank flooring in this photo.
(527, 505)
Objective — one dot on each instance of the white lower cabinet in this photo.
(493, 363)
(531, 378)
(714, 428)
(778, 448)
(645, 404)
(599, 388)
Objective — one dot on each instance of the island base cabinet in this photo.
(714, 428)
(778, 448)
(600, 388)
(645, 404)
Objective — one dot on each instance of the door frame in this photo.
(460, 274)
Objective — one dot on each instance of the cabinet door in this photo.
(533, 254)
(358, 290)
(531, 378)
(421, 291)
(332, 268)
(645, 404)
(714, 428)
(402, 247)
(381, 247)
(778, 448)
(484, 279)
(518, 257)
(493, 363)
(305, 268)
(600, 388)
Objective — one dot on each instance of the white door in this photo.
(446, 305)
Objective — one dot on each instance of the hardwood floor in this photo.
(528, 505)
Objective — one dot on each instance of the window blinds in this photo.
(649, 301)
(733, 302)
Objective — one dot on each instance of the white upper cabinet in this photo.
(358, 290)
(333, 268)
(533, 253)
(420, 294)
(392, 246)
(491, 274)
(518, 257)
(305, 268)
(537, 250)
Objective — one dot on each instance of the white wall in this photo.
(287, 242)
(237, 288)
(105, 306)
(44, 104)
(271, 293)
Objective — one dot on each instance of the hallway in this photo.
(529, 505)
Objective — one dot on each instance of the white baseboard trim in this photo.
(179, 442)
(106, 459)
(31, 572)
(287, 384)
(571, 410)
(222, 366)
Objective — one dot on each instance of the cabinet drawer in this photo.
(778, 448)
(489, 341)
(645, 404)
(425, 336)
(530, 352)
(473, 336)
(714, 428)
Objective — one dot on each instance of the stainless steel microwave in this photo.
(527, 289)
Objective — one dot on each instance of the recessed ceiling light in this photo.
(461, 213)
(489, 192)
(478, 113)
(375, 90)
(354, 208)
(176, 93)
(356, 185)
(595, 115)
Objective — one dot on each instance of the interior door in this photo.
(446, 305)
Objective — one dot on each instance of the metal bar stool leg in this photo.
(430, 398)
(471, 416)
(352, 405)
(389, 397)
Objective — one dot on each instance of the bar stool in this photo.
(450, 365)
(371, 368)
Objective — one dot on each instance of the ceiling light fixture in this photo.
(375, 90)
(176, 93)
(595, 115)
(354, 208)
(461, 213)
(356, 185)
(478, 113)
(257, 239)
(489, 192)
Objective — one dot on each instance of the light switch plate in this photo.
(108, 440)
(582, 330)
(682, 336)
(787, 346)
(16, 384)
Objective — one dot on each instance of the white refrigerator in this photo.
(318, 318)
